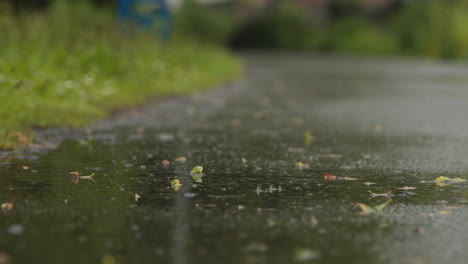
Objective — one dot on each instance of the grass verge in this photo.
(70, 65)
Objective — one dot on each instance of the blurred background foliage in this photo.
(69, 62)
(434, 28)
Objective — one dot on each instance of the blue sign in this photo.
(152, 15)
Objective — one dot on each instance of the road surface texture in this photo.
(290, 155)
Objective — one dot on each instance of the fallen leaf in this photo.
(197, 170)
(197, 174)
(165, 163)
(365, 209)
(387, 194)
(444, 181)
(369, 183)
(300, 165)
(197, 178)
(75, 177)
(329, 177)
(380, 207)
(181, 159)
(244, 160)
(175, 184)
(25, 167)
(87, 177)
(137, 197)
(407, 188)
(7, 207)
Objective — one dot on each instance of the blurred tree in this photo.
(343, 8)
(28, 5)
(105, 3)
(202, 23)
(20, 5)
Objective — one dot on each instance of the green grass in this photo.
(71, 65)
(355, 35)
(438, 29)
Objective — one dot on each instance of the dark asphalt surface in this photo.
(387, 123)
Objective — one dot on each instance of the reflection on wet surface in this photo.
(266, 196)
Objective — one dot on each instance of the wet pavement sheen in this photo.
(377, 125)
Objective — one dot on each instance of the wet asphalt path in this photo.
(376, 124)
